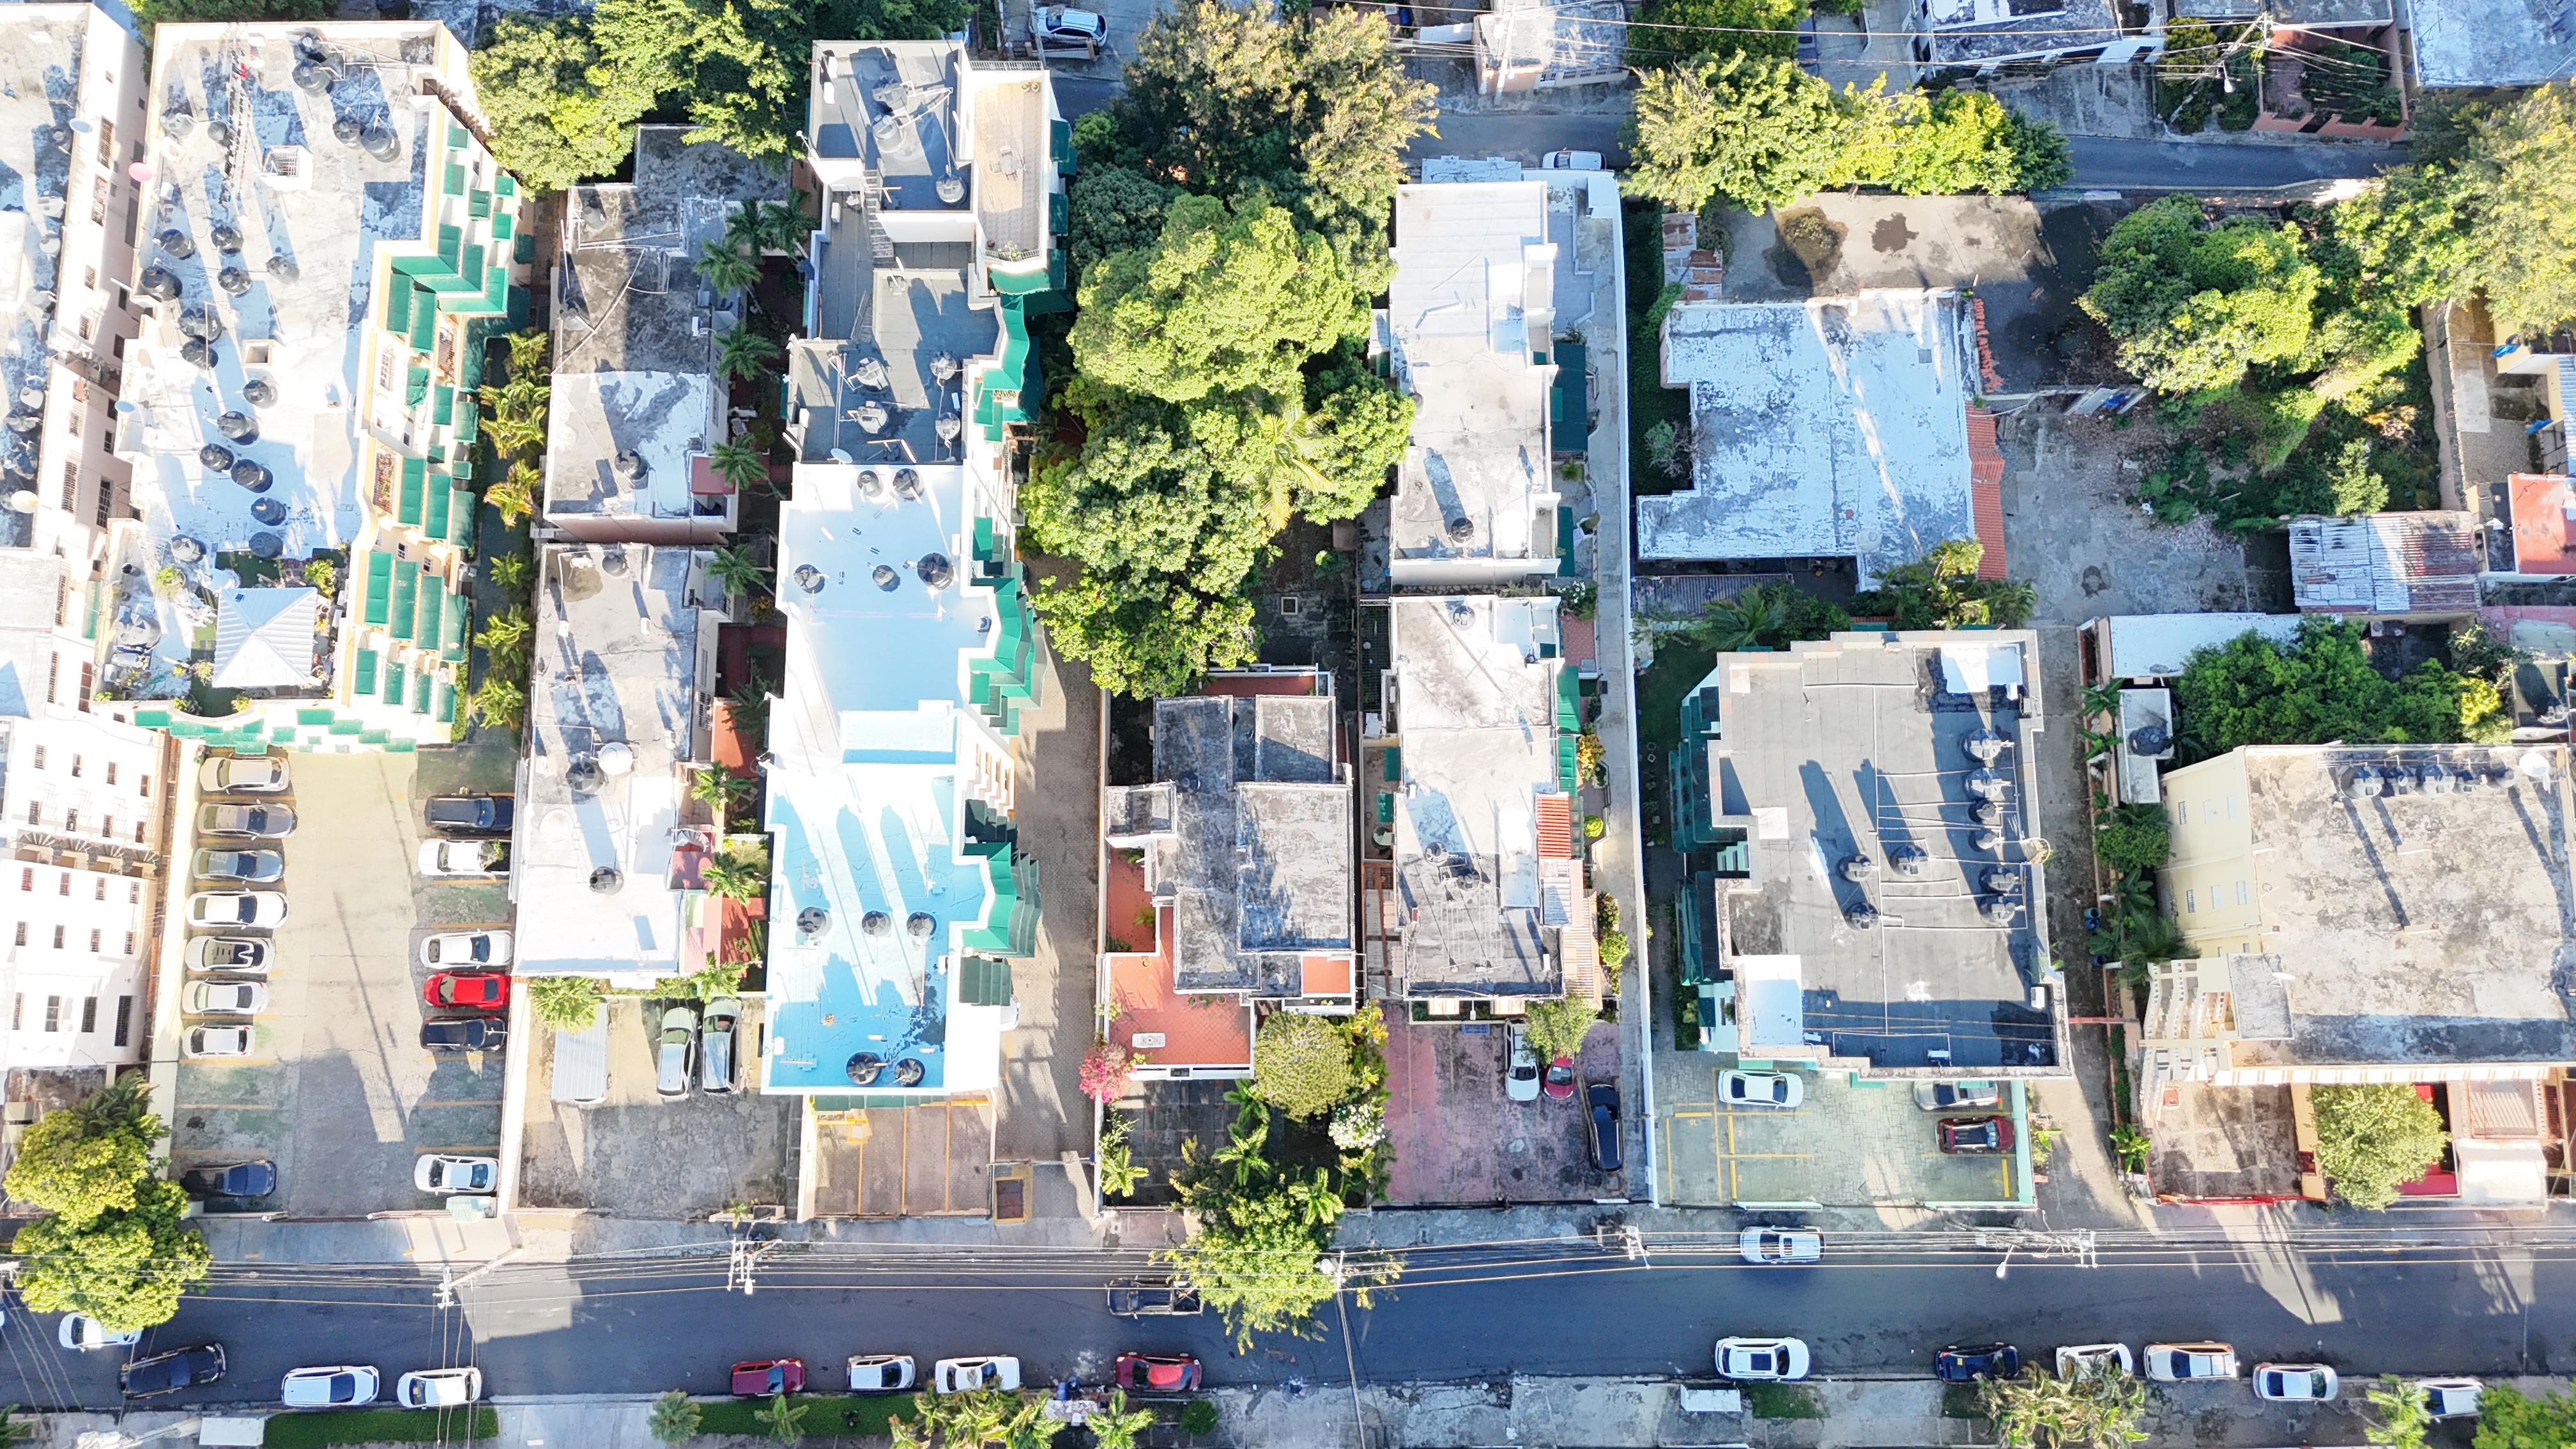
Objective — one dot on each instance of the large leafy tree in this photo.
(2508, 1419)
(126, 1268)
(88, 1158)
(559, 109)
(1677, 31)
(1147, 634)
(1301, 1064)
(2524, 194)
(1253, 1260)
(1112, 209)
(2371, 1139)
(2318, 687)
(1754, 129)
(2192, 306)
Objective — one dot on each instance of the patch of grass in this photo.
(1649, 401)
(827, 1415)
(1782, 1401)
(1961, 1401)
(1678, 669)
(380, 1426)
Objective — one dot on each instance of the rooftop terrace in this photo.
(40, 59)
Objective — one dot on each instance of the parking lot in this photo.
(1458, 1139)
(337, 1090)
(1843, 1146)
(635, 1155)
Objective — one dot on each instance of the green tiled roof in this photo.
(451, 637)
(362, 680)
(380, 574)
(405, 602)
(407, 498)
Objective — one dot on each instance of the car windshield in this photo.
(1163, 1375)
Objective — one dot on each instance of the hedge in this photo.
(380, 1426)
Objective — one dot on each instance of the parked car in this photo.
(473, 990)
(230, 1179)
(1761, 1360)
(1559, 1081)
(675, 1054)
(83, 1334)
(167, 1373)
(2095, 1358)
(467, 948)
(2294, 1383)
(1602, 1100)
(464, 859)
(242, 775)
(211, 909)
(464, 1034)
(1780, 1245)
(1137, 1298)
(441, 1173)
(256, 867)
(257, 822)
(2182, 1363)
(1158, 1373)
(1760, 1089)
(1520, 1076)
(247, 955)
(2451, 1398)
(215, 1041)
(880, 1373)
(227, 998)
(1065, 25)
(468, 814)
(1965, 1363)
(761, 1377)
(1953, 1096)
(438, 1388)
(716, 1034)
(330, 1388)
(1976, 1135)
(964, 1375)
(1570, 161)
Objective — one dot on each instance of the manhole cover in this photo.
(1517, 1146)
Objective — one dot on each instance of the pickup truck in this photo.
(1137, 1298)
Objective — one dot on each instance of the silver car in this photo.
(675, 1053)
(256, 867)
(259, 822)
(242, 774)
(227, 998)
(243, 955)
(716, 1044)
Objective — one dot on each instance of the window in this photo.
(2240, 893)
(71, 484)
(89, 1015)
(124, 1018)
(129, 943)
(54, 675)
(22, 933)
(138, 832)
(2209, 810)
(111, 772)
(2190, 903)
(18, 1012)
(92, 281)
(53, 1013)
(62, 608)
(102, 888)
(134, 889)
(58, 938)
(40, 757)
(147, 787)
(35, 812)
(107, 826)
(76, 767)
(65, 881)
(95, 937)
(27, 879)
(2231, 807)
(71, 821)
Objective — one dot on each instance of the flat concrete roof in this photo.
(2160, 646)
(1830, 428)
(617, 650)
(892, 104)
(1971, 30)
(2417, 927)
(1857, 747)
(2490, 42)
(40, 61)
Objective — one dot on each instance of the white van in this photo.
(581, 1062)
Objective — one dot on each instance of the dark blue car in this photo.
(1965, 1363)
(1604, 1101)
(230, 1179)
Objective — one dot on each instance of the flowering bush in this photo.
(1361, 1125)
(1104, 1071)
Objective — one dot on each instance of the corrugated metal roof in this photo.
(2386, 563)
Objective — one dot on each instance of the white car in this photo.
(965, 1375)
(210, 909)
(82, 1333)
(465, 859)
(2095, 1358)
(330, 1388)
(227, 998)
(880, 1373)
(242, 775)
(2294, 1383)
(1570, 161)
(467, 948)
(2450, 1398)
(1065, 25)
(258, 822)
(243, 955)
(1761, 1360)
(1761, 1089)
(2182, 1363)
(1781, 1245)
(438, 1388)
(216, 1041)
(258, 867)
(1520, 1078)
(441, 1173)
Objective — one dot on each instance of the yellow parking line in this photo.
(462, 1102)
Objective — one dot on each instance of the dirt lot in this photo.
(1459, 1140)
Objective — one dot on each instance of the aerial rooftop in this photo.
(1471, 307)
(1882, 782)
(2386, 563)
(624, 657)
(2477, 43)
(1965, 31)
(40, 58)
(1831, 428)
(2544, 526)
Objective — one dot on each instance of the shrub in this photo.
(1301, 1064)
(2133, 839)
(1199, 1417)
(565, 1003)
(1557, 1028)
(2371, 1139)
(1104, 1070)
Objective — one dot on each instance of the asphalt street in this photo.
(643, 1326)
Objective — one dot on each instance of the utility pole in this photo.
(449, 1282)
(746, 1256)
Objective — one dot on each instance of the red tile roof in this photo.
(1986, 490)
(1582, 642)
(1197, 1030)
(1555, 827)
(2544, 537)
(1325, 976)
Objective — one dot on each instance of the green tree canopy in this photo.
(1112, 209)
(2318, 687)
(1147, 634)
(2371, 1139)
(560, 111)
(125, 1268)
(1679, 31)
(1965, 141)
(2193, 306)
(89, 1158)
(2523, 192)
(1301, 1064)
(2509, 1419)
(1754, 129)
(2399, 1416)
(1557, 1027)
(1941, 590)
(1253, 1260)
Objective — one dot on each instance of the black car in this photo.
(469, 814)
(1604, 1101)
(464, 1034)
(1965, 1363)
(232, 1179)
(167, 1373)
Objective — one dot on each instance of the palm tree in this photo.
(725, 268)
(1728, 625)
(505, 632)
(739, 463)
(509, 572)
(784, 226)
(528, 353)
(514, 497)
(519, 413)
(737, 566)
(720, 789)
(501, 704)
(1314, 1199)
(747, 230)
(750, 705)
(736, 878)
(744, 353)
(675, 1414)
(785, 1418)
(1117, 1426)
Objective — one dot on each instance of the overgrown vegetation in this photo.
(2510, 1419)
(1228, 224)
(1941, 590)
(2372, 1139)
(114, 1244)
(2320, 687)
(1301, 1064)
(2399, 1416)
(2132, 839)
(562, 1003)
(2098, 1409)
(515, 416)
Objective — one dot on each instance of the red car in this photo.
(1157, 1373)
(762, 1377)
(467, 989)
(1559, 1081)
(1980, 1136)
